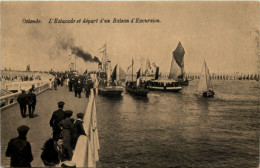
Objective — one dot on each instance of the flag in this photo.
(104, 46)
(138, 73)
(155, 65)
(131, 65)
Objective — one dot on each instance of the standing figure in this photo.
(70, 84)
(79, 88)
(91, 85)
(22, 100)
(19, 149)
(62, 80)
(31, 97)
(66, 133)
(58, 81)
(55, 83)
(86, 88)
(33, 88)
(75, 87)
(78, 129)
(50, 84)
(56, 118)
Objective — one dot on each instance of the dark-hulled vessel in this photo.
(138, 87)
(108, 86)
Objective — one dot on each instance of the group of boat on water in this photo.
(142, 83)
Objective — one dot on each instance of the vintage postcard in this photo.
(130, 84)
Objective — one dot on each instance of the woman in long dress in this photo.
(67, 128)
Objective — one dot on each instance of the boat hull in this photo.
(165, 89)
(111, 91)
(137, 92)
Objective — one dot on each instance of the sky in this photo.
(224, 34)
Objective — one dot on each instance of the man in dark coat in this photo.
(78, 129)
(22, 100)
(31, 97)
(86, 88)
(56, 118)
(71, 81)
(19, 149)
(75, 85)
(79, 88)
(55, 83)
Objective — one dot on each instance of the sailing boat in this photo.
(108, 83)
(138, 87)
(205, 86)
(177, 66)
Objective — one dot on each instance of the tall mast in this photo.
(206, 75)
(132, 70)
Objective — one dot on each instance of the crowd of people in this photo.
(57, 149)
(22, 78)
(65, 135)
(65, 130)
(76, 83)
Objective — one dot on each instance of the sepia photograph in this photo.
(130, 84)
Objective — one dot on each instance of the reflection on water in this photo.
(181, 130)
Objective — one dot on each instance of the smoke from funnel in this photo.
(68, 44)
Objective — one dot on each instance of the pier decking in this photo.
(40, 130)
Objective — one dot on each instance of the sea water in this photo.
(182, 129)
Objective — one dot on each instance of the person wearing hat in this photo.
(67, 128)
(71, 82)
(56, 118)
(19, 149)
(22, 100)
(31, 97)
(54, 152)
(86, 89)
(79, 88)
(75, 87)
(78, 129)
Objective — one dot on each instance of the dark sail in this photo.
(178, 55)
(157, 73)
(138, 74)
(113, 76)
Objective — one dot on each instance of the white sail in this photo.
(204, 83)
(175, 70)
(208, 81)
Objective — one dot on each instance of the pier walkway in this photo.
(40, 130)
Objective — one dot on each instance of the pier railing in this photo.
(22, 85)
(11, 99)
(86, 151)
